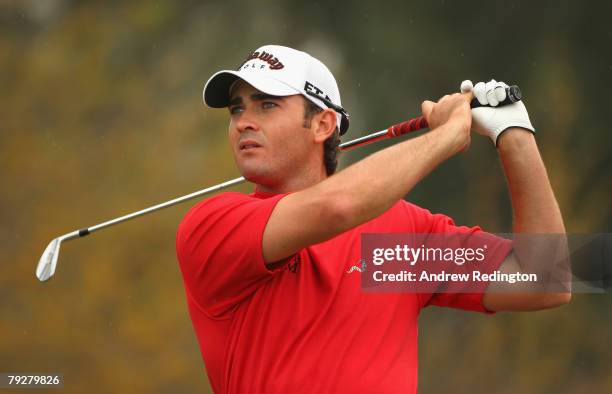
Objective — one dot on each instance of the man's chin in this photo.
(255, 175)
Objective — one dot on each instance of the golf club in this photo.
(48, 261)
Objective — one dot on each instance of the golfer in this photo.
(270, 279)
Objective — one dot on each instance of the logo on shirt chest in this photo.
(294, 265)
(358, 268)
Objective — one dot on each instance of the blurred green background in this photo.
(101, 115)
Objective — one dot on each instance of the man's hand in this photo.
(452, 116)
(490, 121)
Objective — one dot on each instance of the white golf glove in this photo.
(491, 121)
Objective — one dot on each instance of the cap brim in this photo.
(216, 92)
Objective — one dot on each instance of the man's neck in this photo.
(294, 184)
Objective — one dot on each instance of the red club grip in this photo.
(407, 127)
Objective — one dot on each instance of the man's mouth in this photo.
(248, 144)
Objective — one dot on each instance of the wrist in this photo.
(514, 139)
(449, 140)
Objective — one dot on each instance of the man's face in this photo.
(267, 135)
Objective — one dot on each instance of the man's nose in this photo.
(247, 122)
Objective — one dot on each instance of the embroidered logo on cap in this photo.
(309, 87)
(269, 58)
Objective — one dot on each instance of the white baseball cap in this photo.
(280, 71)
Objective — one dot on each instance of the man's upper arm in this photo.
(467, 295)
(299, 220)
(527, 296)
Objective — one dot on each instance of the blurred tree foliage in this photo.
(101, 114)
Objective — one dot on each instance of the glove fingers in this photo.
(490, 89)
(480, 93)
(492, 98)
(500, 91)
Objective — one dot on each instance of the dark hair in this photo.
(330, 146)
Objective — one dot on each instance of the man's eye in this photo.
(235, 110)
(269, 104)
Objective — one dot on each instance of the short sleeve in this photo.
(219, 249)
(453, 296)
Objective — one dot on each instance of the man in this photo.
(267, 279)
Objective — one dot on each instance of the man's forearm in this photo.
(535, 209)
(539, 241)
(371, 186)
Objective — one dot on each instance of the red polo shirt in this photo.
(306, 326)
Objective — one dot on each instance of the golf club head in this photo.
(48, 260)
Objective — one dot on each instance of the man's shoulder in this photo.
(225, 197)
(430, 221)
(222, 204)
(215, 203)
(409, 208)
(405, 216)
(221, 199)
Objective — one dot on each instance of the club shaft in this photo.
(367, 139)
(163, 205)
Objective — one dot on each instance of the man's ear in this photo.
(324, 124)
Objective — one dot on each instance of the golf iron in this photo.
(48, 261)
